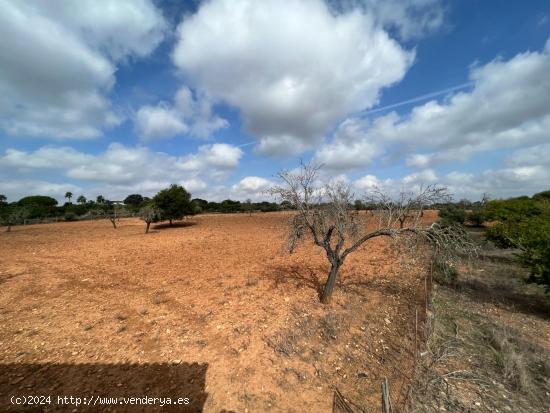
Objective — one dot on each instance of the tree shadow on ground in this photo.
(362, 286)
(91, 385)
(304, 275)
(506, 296)
(175, 225)
(301, 275)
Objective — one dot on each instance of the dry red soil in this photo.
(212, 309)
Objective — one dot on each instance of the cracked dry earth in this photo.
(211, 309)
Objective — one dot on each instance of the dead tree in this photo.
(407, 206)
(324, 212)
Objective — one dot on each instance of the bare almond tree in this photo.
(324, 212)
(149, 214)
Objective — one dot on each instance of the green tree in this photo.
(134, 200)
(544, 195)
(38, 206)
(228, 206)
(100, 199)
(203, 204)
(451, 214)
(3, 200)
(68, 196)
(524, 223)
(81, 200)
(173, 203)
(359, 205)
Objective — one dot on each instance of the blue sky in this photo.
(119, 97)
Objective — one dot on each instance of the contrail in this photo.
(246, 144)
(403, 103)
(419, 98)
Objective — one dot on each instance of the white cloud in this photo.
(509, 106)
(412, 19)
(157, 122)
(419, 160)
(525, 172)
(16, 189)
(290, 80)
(59, 61)
(350, 148)
(188, 114)
(252, 184)
(47, 157)
(426, 176)
(121, 170)
(367, 182)
(215, 160)
(534, 155)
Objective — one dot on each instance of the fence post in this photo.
(386, 398)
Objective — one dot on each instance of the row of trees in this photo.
(40, 207)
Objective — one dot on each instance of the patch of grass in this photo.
(512, 361)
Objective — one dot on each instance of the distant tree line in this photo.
(170, 204)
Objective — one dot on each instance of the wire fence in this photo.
(396, 386)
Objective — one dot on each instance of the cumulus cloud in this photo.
(188, 114)
(59, 62)
(411, 19)
(16, 189)
(509, 106)
(251, 187)
(524, 172)
(123, 169)
(46, 157)
(157, 122)
(291, 81)
(350, 148)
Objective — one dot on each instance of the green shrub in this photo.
(69, 216)
(524, 223)
(451, 214)
(476, 218)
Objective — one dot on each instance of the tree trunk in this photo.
(114, 223)
(331, 281)
(147, 228)
(9, 228)
(170, 222)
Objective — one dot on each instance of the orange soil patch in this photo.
(213, 310)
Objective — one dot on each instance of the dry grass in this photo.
(488, 350)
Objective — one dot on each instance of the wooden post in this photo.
(386, 398)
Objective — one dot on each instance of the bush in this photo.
(524, 223)
(38, 206)
(451, 215)
(69, 216)
(476, 218)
